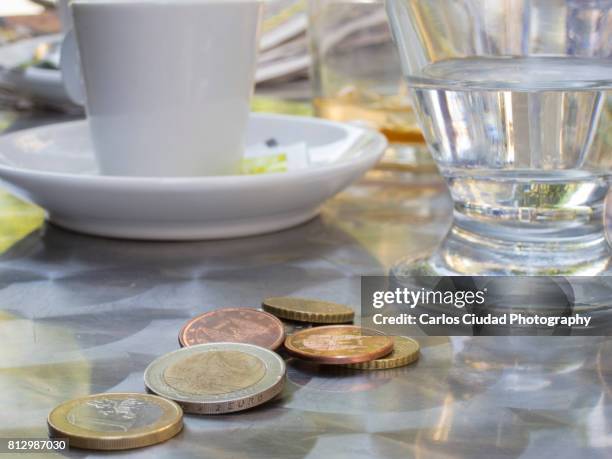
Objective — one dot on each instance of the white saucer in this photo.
(53, 166)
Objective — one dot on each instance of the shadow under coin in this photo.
(421, 385)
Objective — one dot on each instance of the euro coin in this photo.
(307, 310)
(338, 344)
(217, 378)
(405, 351)
(115, 421)
(234, 325)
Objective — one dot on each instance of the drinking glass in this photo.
(357, 76)
(513, 97)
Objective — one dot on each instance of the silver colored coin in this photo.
(217, 378)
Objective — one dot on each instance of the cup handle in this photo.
(70, 66)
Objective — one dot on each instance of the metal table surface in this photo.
(82, 315)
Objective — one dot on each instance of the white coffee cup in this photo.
(166, 83)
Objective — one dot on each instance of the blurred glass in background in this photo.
(357, 76)
(19, 7)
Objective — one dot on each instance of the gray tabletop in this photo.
(82, 315)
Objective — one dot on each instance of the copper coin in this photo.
(339, 344)
(234, 325)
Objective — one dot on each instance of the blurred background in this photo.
(20, 7)
(329, 58)
(31, 30)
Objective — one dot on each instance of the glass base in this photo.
(465, 253)
(534, 223)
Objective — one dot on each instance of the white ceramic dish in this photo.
(54, 167)
(188, 116)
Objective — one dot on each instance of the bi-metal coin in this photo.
(116, 421)
(306, 310)
(217, 378)
(405, 351)
(338, 344)
(234, 325)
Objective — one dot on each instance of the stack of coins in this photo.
(226, 364)
(353, 347)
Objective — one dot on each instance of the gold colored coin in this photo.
(216, 378)
(405, 351)
(307, 310)
(116, 421)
